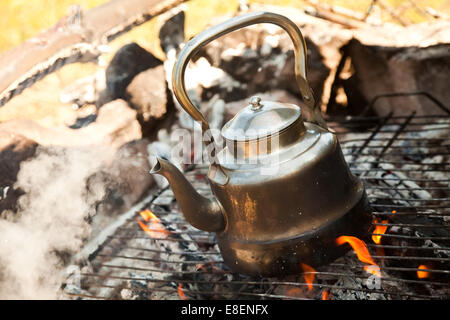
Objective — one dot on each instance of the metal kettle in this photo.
(280, 197)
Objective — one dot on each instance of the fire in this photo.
(308, 275)
(325, 294)
(380, 230)
(154, 228)
(362, 253)
(180, 292)
(148, 215)
(359, 247)
(422, 274)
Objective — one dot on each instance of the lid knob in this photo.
(255, 103)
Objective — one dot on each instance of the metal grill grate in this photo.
(404, 162)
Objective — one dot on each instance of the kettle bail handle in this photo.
(202, 39)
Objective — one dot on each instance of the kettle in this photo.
(282, 191)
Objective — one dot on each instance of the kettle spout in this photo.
(202, 213)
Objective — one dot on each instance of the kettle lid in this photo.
(260, 119)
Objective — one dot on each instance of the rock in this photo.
(212, 81)
(126, 178)
(115, 125)
(171, 34)
(14, 149)
(261, 58)
(84, 91)
(128, 61)
(383, 70)
(148, 95)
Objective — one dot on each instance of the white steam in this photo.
(51, 223)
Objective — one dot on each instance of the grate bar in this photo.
(382, 143)
(408, 199)
(270, 283)
(404, 131)
(392, 268)
(409, 225)
(388, 235)
(398, 170)
(385, 246)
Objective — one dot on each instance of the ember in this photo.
(423, 274)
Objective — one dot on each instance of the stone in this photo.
(14, 149)
(382, 70)
(261, 58)
(149, 96)
(171, 34)
(128, 61)
(115, 125)
(126, 178)
(84, 91)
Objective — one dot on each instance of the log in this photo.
(75, 38)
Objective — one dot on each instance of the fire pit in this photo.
(404, 163)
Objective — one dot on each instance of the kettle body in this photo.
(282, 191)
(291, 211)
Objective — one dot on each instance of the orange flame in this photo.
(180, 292)
(155, 229)
(422, 274)
(359, 247)
(309, 277)
(147, 215)
(379, 229)
(325, 295)
(362, 253)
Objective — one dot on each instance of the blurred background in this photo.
(25, 19)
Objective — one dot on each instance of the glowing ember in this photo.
(308, 275)
(374, 270)
(180, 292)
(422, 274)
(325, 295)
(201, 266)
(294, 292)
(154, 228)
(380, 230)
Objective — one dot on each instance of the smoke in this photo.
(51, 223)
